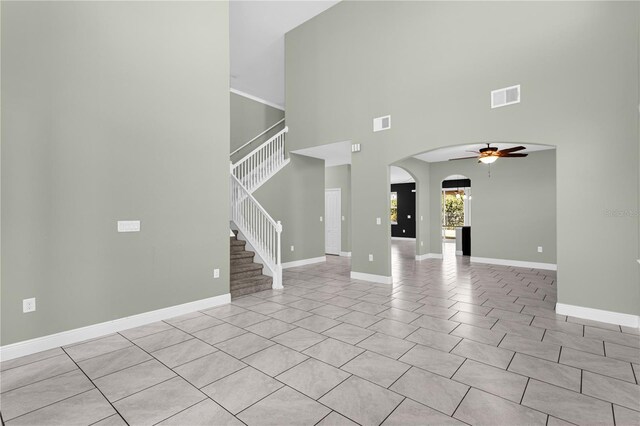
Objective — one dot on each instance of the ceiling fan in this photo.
(490, 154)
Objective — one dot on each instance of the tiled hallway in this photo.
(448, 343)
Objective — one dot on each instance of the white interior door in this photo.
(332, 221)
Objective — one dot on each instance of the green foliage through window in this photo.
(394, 207)
(453, 211)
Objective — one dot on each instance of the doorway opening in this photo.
(456, 200)
(402, 215)
(333, 221)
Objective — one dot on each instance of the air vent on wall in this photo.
(506, 96)
(382, 123)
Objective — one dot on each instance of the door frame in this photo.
(339, 191)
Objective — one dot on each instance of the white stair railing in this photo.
(259, 228)
(259, 165)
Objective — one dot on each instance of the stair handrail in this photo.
(259, 147)
(248, 143)
(266, 243)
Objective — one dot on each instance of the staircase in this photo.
(246, 275)
(252, 221)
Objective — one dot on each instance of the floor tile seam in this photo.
(32, 362)
(600, 373)
(252, 353)
(94, 385)
(147, 335)
(176, 374)
(111, 415)
(104, 353)
(49, 405)
(41, 380)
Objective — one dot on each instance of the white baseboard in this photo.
(609, 317)
(371, 277)
(345, 253)
(516, 263)
(403, 238)
(64, 338)
(458, 252)
(304, 262)
(429, 256)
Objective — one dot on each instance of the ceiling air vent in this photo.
(382, 123)
(506, 96)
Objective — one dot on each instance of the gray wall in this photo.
(249, 118)
(112, 111)
(432, 65)
(295, 196)
(340, 177)
(512, 212)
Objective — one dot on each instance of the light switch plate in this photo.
(128, 226)
(29, 305)
(320, 218)
(370, 258)
(539, 249)
(291, 248)
(216, 273)
(408, 216)
(378, 221)
(343, 218)
(421, 218)
(421, 243)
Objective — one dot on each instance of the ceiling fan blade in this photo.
(514, 149)
(461, 158)
(513, 155)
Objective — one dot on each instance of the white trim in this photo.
(304, 262)
(257, 99)
(516, 263)
(76, 335)
(403, 238)
(458, 252)
(339, 191)
(429, 256)
(600, 315)
(345, 253)
(382, 279)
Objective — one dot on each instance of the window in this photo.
(394, 208)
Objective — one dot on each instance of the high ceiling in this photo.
(256, 30)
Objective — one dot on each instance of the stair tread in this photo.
(241, 254)
(246, 267)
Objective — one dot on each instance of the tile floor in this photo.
(448, 343)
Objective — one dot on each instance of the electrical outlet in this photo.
(421, 218)
(291, 248)
(378, 221)
(408, 216)
(404, 231)
(370, 258)
(320, 218)
(216, 273)
(539, 249)
(343, 218)
(29, 305)
(421, 243)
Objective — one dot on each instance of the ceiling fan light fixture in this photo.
(489, 159)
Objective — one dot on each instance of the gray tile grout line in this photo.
(176, 375)
(32, 362)
(54, 403)
(94, 386)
